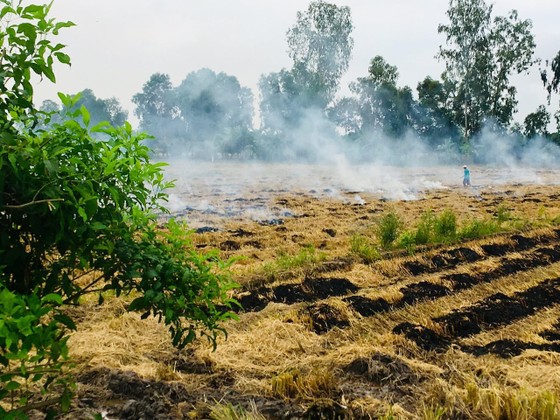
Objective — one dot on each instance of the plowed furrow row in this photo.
(462, 255)
(500, 309)
(424, 290)
(491, 313)
(310, 290)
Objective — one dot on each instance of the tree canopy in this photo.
(206, 113)
(320, 45)
(481, 54)
(209, 114)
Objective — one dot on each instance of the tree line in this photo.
(210, 114)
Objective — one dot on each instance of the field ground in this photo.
(468, 329)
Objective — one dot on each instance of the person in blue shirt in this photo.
(466, 176)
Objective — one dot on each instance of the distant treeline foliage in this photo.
(210, 115)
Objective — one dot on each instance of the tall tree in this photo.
(282, 102)
(552, 82)
(156, 110)
(481, 54)
(536, 123)
(552, 85)
(382, 106)
(435, 122)
(320, 45)
(216, 111)
(99, 109)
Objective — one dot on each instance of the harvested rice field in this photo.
(337, 324)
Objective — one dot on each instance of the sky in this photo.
(118, 44)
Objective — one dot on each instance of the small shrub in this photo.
(478, 229)
(445, 226)
(307, 256)
(407, 241)
(503, 214)
(388, 229)
(360, 246)
(424, 230)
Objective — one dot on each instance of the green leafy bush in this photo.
(78, 216)
(388, 229)
(445, 226)
(407, 240)
(478, 229)
(361, 246)
(425, 228)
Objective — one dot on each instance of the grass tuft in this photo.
(364, 249)
(306, 258)
(445, 227)
(388, 229)
(295, 384)
(228, 411)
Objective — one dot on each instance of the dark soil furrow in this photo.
(443, 260)
(456, 256)
(498, 310)
(310, 290)
(424, 291)
(366, 306)
(325, 317)
(509, 266)
(509, 348)
(493, 312)
(552, 333)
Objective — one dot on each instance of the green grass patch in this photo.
(479, 228)
(364, 249)
(388, 229)
(305, 258)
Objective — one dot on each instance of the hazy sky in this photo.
(118, 44)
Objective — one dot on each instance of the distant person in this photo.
(466, 177)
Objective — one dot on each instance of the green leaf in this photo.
(5, 10)
(29, 30)
(102, 127)
(65, 99)
(63, 58)
(60, 25)
(85, 115)
(48, 72)
(91, 207)
(98, 226)
(12, 386)
(66, 321)
(83, 214)
(52, 298)
(36, 11)
(138, 303)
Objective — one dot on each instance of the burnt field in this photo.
(466, 329)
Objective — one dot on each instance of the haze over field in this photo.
(211, 194)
